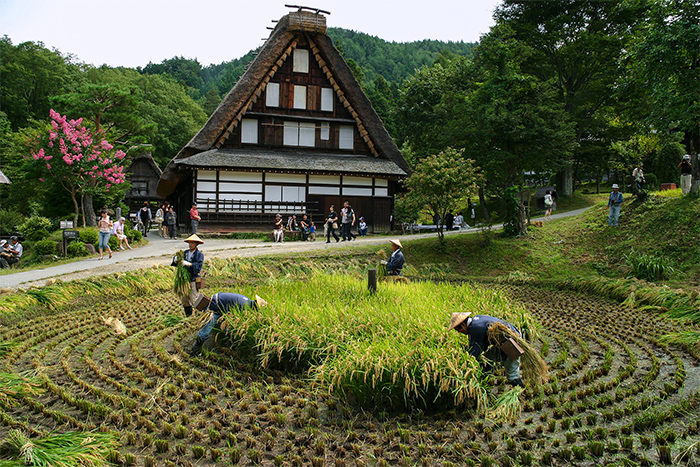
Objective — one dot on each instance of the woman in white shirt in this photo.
(119, 232)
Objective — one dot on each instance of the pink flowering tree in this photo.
(84, 163)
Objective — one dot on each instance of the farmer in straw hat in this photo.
(192, 260)
(481, 339)
(219, 304)
(395, 263)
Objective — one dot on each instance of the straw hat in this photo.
(457, 319)
(194, 238)
(259, 300)
(397, 243)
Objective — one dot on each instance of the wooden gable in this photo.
(324, 107)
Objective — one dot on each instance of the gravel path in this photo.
(159, 251)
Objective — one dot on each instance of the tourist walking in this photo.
(105, 225)
(171, 218)
(146, 217)
(639, 180)
(331, 224)
(347, 222)
(548, 204)
(159, 220)
(614, 203)
(686, 174)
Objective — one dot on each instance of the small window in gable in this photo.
(272, 95)
(299, 134)
(291, 134)
(325, 131)
(299, 97)
(327, 99)
(301, 61)
(307, 134)
(346, 137)
(249, 131)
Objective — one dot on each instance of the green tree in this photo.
(440, 183)
(174, 117)
(576, 45)
(31, 75)
(659, 91)
(186, 70)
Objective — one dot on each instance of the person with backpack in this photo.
(146, 217)
(548, 204)
(686, 174)
(347, 221)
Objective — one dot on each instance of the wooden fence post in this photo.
(372, 281)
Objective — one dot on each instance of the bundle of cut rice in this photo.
(535, 369)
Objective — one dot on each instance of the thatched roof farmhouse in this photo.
(295, 134)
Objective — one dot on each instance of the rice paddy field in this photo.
(329, 375)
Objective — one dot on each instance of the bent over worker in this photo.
(477, 329)
(222, 302)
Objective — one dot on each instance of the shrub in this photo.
(9, 221)
(77, 248)
(131, 234)
(35, 228)
(89, 235)
(45, 247)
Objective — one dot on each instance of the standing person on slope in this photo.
(614, 203)
(193, 260)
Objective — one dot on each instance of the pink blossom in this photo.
(41, 180)
(48, 166)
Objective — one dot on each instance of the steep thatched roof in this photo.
(148, 159)
(251, 85)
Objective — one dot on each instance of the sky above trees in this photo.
(214, 31)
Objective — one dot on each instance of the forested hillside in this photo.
(558, 92)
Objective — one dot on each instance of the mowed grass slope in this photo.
(582, 246)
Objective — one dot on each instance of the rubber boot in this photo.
(196, 347)
(188, 311)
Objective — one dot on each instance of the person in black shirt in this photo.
(331, 225)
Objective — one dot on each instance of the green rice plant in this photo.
(507, 406)
(60, 450)
(6, 346)
(181, 282)
(14, 387)
(648, 267)
(387, 349)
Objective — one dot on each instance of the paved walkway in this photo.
(158, 251)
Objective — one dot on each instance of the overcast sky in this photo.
(134, 32)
